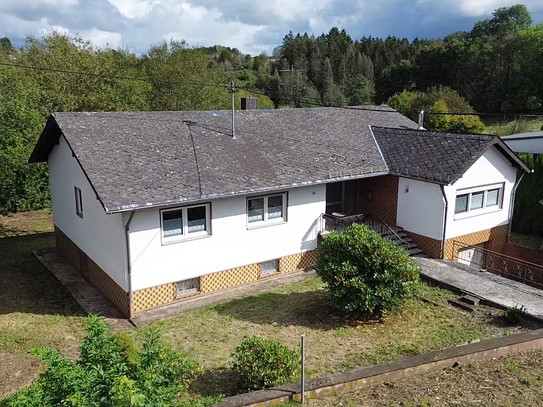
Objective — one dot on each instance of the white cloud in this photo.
(133, 8)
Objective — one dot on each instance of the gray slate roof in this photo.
(436, 157)
(144, 159)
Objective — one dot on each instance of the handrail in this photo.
(501, 264)
(374, 222)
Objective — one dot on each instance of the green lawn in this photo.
(36, 310)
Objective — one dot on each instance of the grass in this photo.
(514, 127)
(332, 343)
(36, 310)
(510, 381)
(526, 240)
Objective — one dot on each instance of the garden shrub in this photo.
(366, 274)
(513, 315)
(263, 363)
(111, 371)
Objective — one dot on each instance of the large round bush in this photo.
(365, 273)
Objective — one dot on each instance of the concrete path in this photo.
(93, 301)
(490, 287)
(205, 300)
(87, 296)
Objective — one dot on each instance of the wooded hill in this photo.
(496, 67)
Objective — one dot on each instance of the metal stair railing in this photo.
(375, 222)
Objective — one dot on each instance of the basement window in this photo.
(269, 267)
(185, 223)
(78, 203)
(188, 287)
(478, 200)
(265, 210)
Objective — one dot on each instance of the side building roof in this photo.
(436, 157)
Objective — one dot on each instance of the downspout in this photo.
(444, 222)
(512, 204)
(128, 265)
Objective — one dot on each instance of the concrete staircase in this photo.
(410, 246)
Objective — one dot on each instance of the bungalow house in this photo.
(154, 207)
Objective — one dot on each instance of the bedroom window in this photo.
(264, 210)
(479, 200)
(185, 223)
(78, 203)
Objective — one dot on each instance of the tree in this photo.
(437, 118)
(365, 274)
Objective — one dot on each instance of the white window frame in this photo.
(485, 209)
(266, 221)
(185, 236)
(78, 202)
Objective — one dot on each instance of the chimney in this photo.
(249, 103)
(421, 121)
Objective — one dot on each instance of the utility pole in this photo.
(232, 89)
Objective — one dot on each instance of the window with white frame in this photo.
(185, 223)
(78, 202)
(188, 287)
(478, 200)
(266, 209)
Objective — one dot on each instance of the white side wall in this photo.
(99, 235)
(231, 243)
(491, 168)
(421, 208)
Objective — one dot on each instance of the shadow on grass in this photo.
(213, 383)
(26, 286)
(308, 308)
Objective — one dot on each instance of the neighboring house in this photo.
(153, 207)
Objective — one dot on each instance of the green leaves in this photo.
(366, 274)
(111, 371)
(263, 363)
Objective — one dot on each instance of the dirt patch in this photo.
(515, 380)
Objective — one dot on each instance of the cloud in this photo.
(249, 25)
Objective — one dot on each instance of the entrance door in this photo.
(471, 256)
(341, 197)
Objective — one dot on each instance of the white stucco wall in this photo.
(231, 243)
(421, 209)
(99, 235)
(492, 168)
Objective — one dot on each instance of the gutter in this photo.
(512, 204)
(444, 221)
(128, 265)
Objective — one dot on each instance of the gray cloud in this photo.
(249, 25)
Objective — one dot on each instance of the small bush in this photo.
(514, 315)
(466, 124)
(263, 363)
(365, 273)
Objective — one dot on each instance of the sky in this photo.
(252, 26)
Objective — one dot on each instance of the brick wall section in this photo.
(69, 251)
(523, 253)
(496, 238)
(430, 247)
(167, 293)
(378, 196)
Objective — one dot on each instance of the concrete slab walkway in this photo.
(87, 296)
(490, 287)
(93, 301)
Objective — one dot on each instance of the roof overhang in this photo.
(48, 139)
